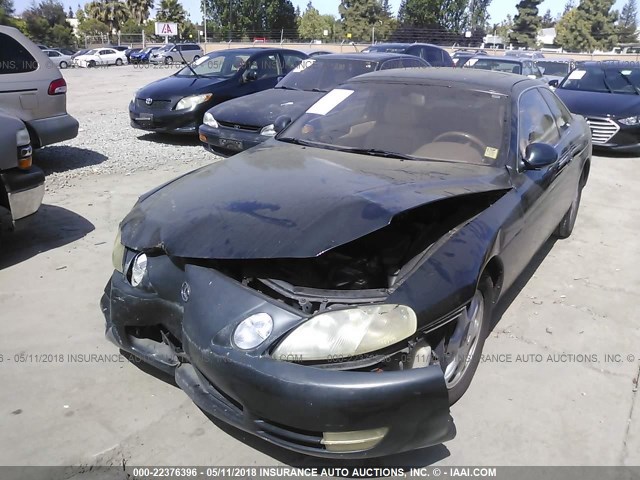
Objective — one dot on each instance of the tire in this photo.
(565, 227)
(168, 60)
(195, 57)
(64, 65)
(458, 375)
(118, 62)
(91, 64)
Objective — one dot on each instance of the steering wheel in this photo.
(467, 136)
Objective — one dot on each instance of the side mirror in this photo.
(538, 155)
(250, 76)
(281, 123)
(554, 83)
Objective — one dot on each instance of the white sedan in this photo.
(100, 56)
(59, 59)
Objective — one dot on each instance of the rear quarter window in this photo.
(15, 58)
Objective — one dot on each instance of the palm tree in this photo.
(140, 9)
(171, 11)
(111, 12)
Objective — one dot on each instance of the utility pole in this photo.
(204, 23)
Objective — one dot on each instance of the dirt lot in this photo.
(528, 405)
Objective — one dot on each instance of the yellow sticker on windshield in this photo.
(491, 152)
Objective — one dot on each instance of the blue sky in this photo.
(498, 8)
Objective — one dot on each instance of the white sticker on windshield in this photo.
(201, 60)
(626, 72)
(577, 74)
(330, 101)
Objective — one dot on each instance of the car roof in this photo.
(404, 45)
(504, 59)
(252, 50)
(376, 56)
(555, 59)
(608, 63)
(467, 78)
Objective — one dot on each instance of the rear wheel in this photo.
(464, 346)
(64, 64)
(118, 62)
(565, 227)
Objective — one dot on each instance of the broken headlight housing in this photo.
(341, 334)
(117, 256)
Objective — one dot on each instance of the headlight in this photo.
(346, 333)
(630, 120)
(268, 131)
(193, 100)
(139, 269)
(209, 120)
(22, 137)
(253, 330)
(117, 257)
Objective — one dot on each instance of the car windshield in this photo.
(494, 64)
(604, 79)
(91, 52)
(216, 64)
(149, 49)
(323, 74)
(406, 121)
(166, 48)
(556, 69)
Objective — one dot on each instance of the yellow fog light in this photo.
(203, 138)
(353, 441)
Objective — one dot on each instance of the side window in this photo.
(560, 112)
(266, 66)
(525, 69)
(105, 52)
(389, 64)
(14, 58)
(411, 63)
(291, 61)
(433, 56)
(535, 121)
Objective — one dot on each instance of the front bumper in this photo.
(24, 191)
(229, 141)
(287, 404)
(53, 129)
(166, 120)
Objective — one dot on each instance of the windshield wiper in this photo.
(376, 152)
(188, 64)
(284, 87)
(319, 90)
(297, 141)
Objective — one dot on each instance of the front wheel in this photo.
(92, 64)
(565, 227)
(118, 62)
(464, 346)
(196, 57)
(168, 60)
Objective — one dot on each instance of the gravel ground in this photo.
(106, 143)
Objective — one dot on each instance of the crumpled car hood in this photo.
(291, 201)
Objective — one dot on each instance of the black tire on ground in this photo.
(91, 64)
(118, 62)
(168, 60)
(63, 64)
(565, 227)
(196, 57)
(485, 288)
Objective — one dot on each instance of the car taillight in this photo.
(58, 87)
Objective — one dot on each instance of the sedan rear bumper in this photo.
(284, 403)
(24, 191)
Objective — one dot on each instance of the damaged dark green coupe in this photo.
(330, 290)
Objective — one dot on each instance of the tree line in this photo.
(583, 26)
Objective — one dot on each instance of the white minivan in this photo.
(33, 90)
